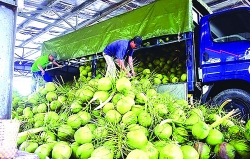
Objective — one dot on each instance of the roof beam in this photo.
(75, 11)
(231, 3)
(227, 6)
(22, 74)
(39, 20)
(102, 14)
(28, 48)
(45, 8)
(26, 23)
(64, 20)
(108, 11)
(18, 56)
(215, 2)
(31, 52)
(81, 6)
(23, 59)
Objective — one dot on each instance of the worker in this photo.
(116, 52)
(38, 67)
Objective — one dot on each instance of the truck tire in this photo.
(240, 100)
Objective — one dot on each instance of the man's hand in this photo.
(133, 73)
(128, 74)
(58, 65)
(43, 72)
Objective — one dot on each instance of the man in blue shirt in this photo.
(117, 51)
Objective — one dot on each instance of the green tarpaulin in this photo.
(161, 17)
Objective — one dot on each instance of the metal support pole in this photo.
(8, 11)
(94, 57)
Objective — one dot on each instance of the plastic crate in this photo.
(8, 138)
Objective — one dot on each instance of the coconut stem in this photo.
(223, 104)
(31, 131)
(166, 121)
(92, 100)
(104, 103)
(218, 122)
(62, 79)
(75, 79)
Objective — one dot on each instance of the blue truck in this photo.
(220, 59)
(216, 46)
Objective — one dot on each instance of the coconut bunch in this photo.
(125, 118)
(167, 63)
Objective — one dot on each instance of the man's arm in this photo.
(41, 69)
(55, 63)
(131, 65)
(122, 66)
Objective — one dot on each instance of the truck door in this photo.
(225, 45)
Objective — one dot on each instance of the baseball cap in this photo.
(138, 41)
(54, 55)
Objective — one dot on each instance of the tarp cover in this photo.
(162, 17)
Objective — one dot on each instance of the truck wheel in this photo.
(240, 100)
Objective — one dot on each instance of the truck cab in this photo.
(224, 58)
